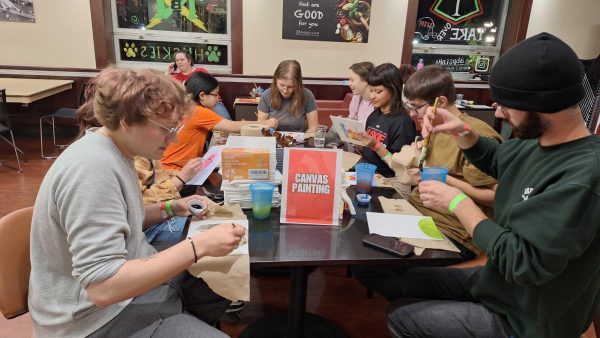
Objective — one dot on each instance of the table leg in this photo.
(297, 305)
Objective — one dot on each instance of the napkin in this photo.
(228, 276)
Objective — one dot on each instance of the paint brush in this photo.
(426, 141)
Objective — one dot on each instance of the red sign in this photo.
(311, 186)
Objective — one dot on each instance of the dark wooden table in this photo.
(301, 247)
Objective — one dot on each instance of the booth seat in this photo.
(327, 108)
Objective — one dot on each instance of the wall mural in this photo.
(17, 11)
(203, 16)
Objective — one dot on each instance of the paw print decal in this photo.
(130, 50)
(213, 54)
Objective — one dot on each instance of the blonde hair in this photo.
(135, 95)
(289, 70)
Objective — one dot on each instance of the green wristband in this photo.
(169, 209)
(453, 203)
(388, 155)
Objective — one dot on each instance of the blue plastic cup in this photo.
(364, 177)
(262, 198)
(434, 174)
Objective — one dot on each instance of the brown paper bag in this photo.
(405, 164)
(349, 160)
(228, 276)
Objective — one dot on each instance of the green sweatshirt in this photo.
(543, 246)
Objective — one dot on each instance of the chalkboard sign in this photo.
(164, 51)
(326, 20)
(458, 22)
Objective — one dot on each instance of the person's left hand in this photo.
(181, 207)
(191, 169)
(437, 195)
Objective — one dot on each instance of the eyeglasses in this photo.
(409, 106)
(215, 95)
(173, 130)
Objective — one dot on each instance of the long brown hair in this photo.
(288, 70)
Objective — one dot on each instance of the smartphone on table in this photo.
(390, 245)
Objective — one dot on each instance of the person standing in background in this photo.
(185, 64)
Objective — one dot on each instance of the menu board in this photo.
(458, 22)
(326, 20)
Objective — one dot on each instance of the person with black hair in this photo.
(389, 127)
(191, 139)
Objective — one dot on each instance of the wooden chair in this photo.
(14, 262)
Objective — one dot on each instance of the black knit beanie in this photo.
(540, 74)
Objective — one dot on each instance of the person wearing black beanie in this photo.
(541, 278)
(540, 74)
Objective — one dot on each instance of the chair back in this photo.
(4, 120)
(15, 265)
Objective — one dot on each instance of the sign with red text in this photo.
(311, 186)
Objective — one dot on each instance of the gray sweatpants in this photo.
(165, 312)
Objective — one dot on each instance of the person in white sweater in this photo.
(92, 272)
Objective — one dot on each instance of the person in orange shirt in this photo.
(192, 136)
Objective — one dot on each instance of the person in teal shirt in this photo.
(542, 276)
